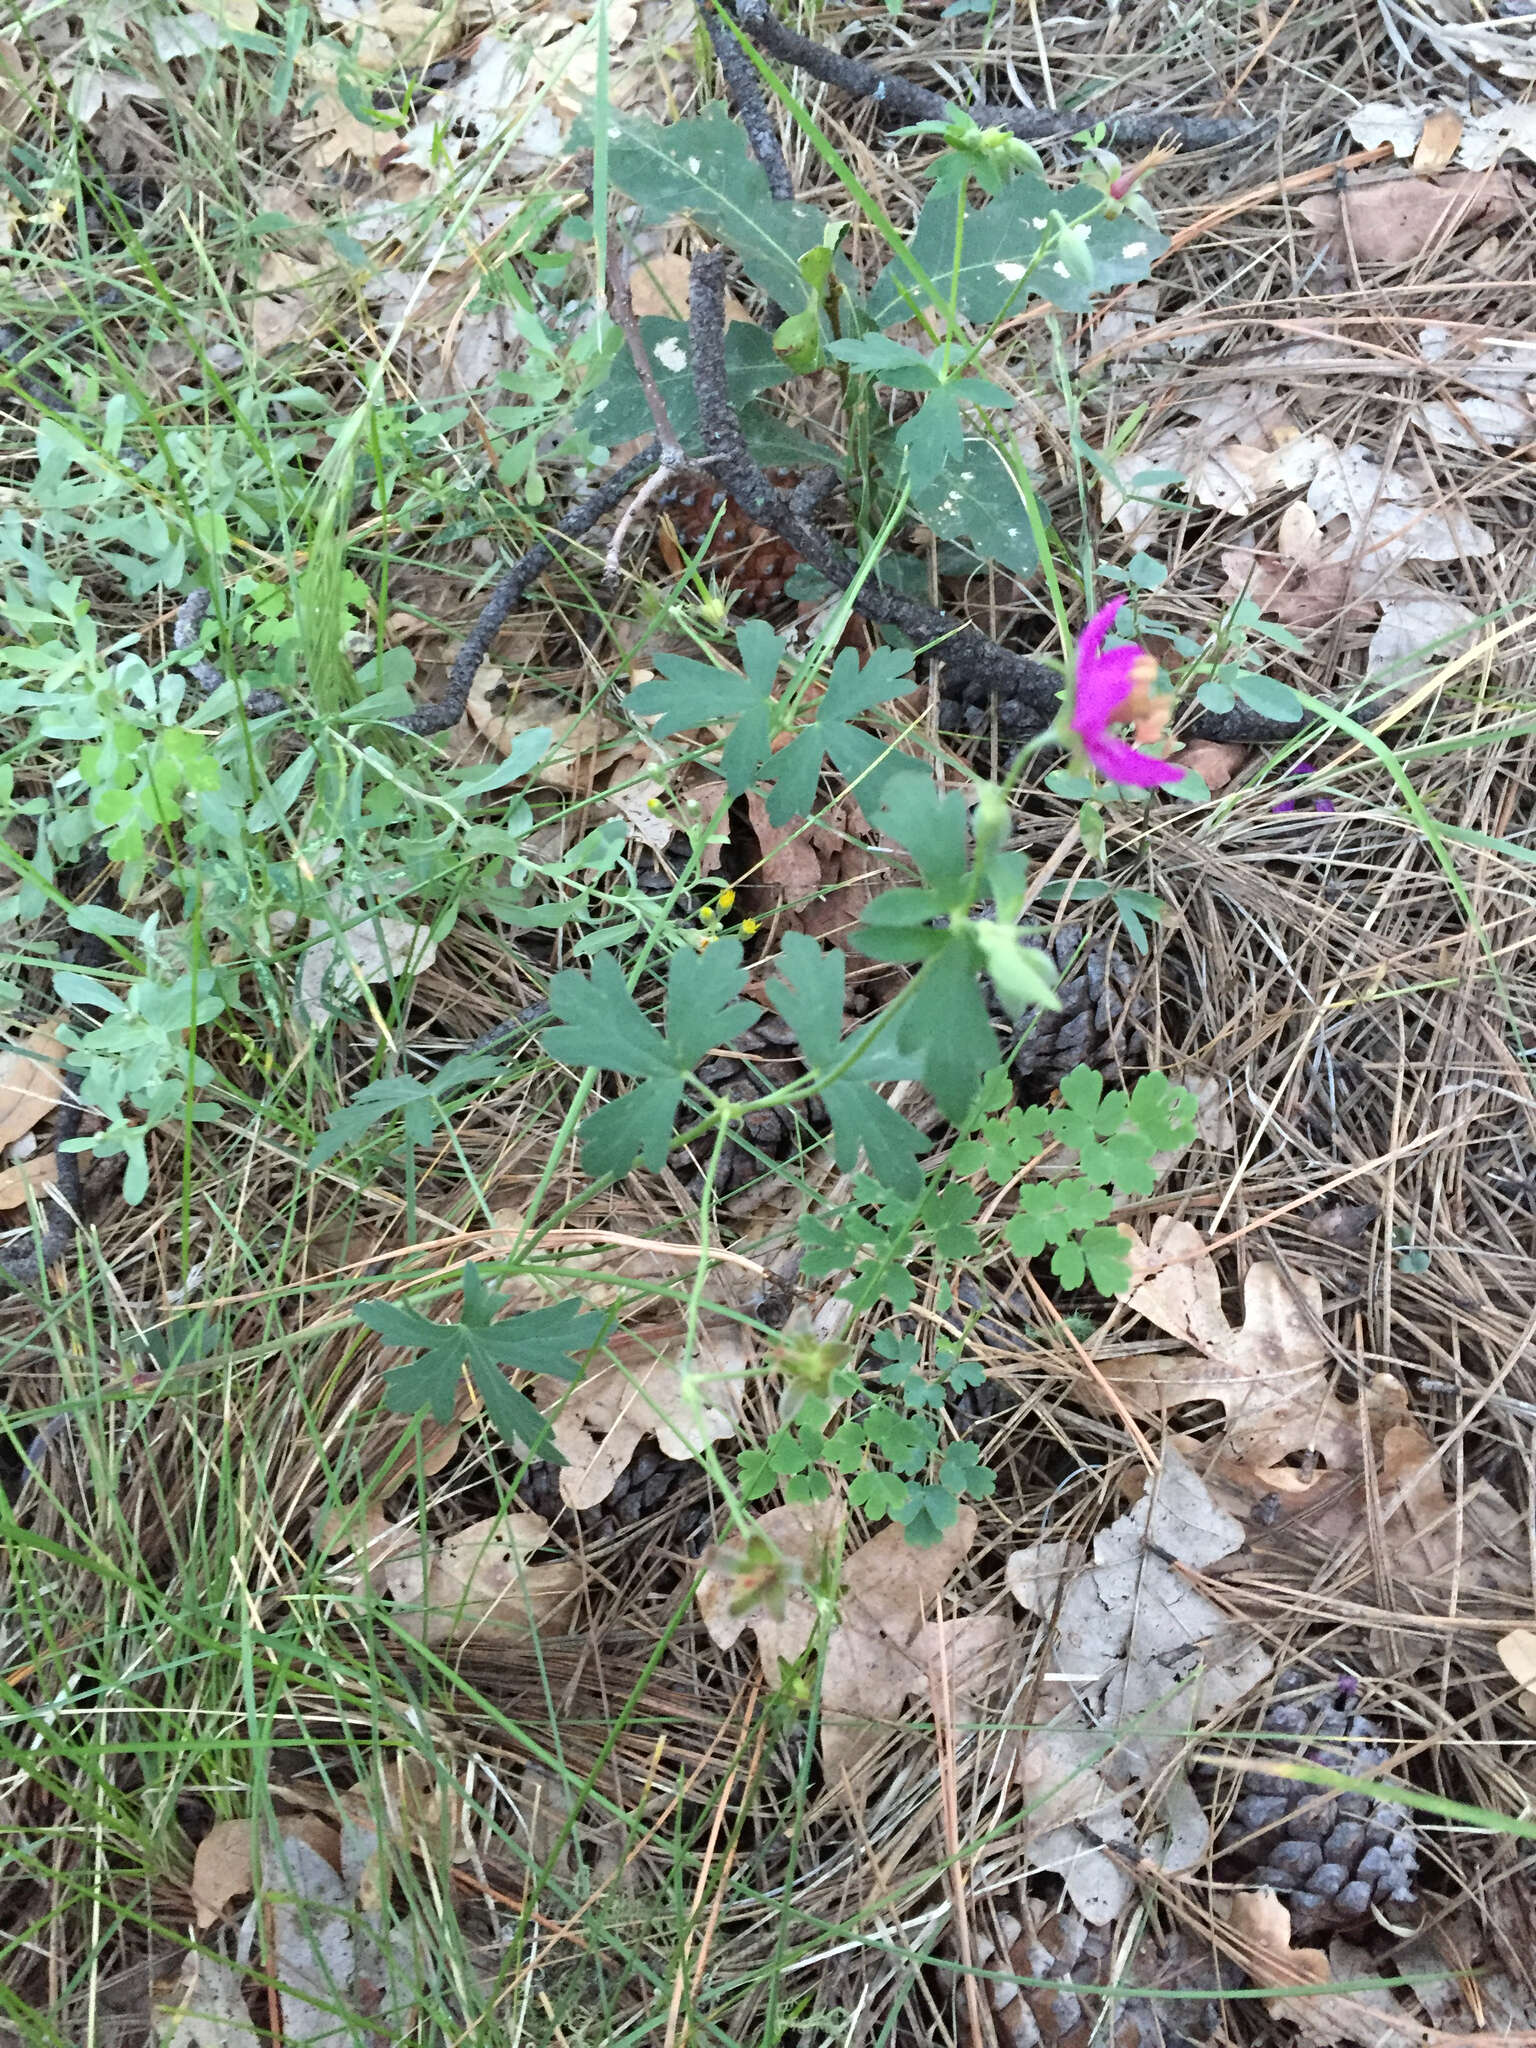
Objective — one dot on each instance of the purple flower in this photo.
(1112, 689)
(1321, 804)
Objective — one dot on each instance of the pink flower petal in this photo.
(1101, 684)
(1119, 761)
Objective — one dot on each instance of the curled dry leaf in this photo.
(31, 1177)
(1396, 220)
(889, 1642)
(1271, 1376)
(221, 1867)
(479, 1583)
(599, 1423)
(31, 1081)
(1214, 761)
(1260, 1930)
(1146, 1657)
(584, 741)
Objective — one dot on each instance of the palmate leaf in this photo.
(689, 693)
(545, 1340)
(702, 168)
(1000, 242)
(860, 758)
(603, 1026)
(808, 991)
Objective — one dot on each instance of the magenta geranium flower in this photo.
(1106, 690)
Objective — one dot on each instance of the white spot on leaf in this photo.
(671, 354)
(1134, 249)
(1011, 271)
(1061, 270)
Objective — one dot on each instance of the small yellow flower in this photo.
(706, 915)
(749, 925)
(725, 899)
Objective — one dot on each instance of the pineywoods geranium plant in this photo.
(786, 726)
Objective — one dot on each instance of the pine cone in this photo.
(648, 1484)
(752, 563)
(1062, 2011)
(1332, 1859)
(1099, 1021)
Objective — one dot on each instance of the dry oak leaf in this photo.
(888, 1643)
(31, 1081)
(1144, 1648)
(283, 308)
(1387, 516)
(478, 1583)
(1271, 1376)
(598, 1424)
(1399, 220)
(1260, 1928)
(1474, 1541)
(358, 952)
(205, 2008)
(823, 873)
(1302, 594)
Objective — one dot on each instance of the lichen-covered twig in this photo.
(510, 591)
(963, 652)
(751, 108)
(909, 102)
